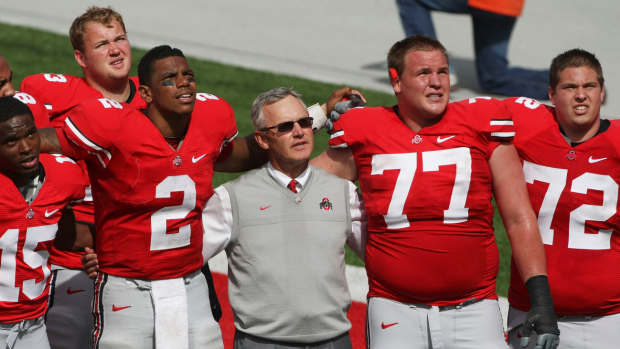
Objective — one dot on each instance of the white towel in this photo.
(171, 319)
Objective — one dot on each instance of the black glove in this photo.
(541, 317)
(341, 108)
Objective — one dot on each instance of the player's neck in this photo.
(21, 180)
(173, 125)
(118, 90)
(580, 135)
(413, 119)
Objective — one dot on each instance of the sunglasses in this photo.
(287, 126)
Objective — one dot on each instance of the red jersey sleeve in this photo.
(89, 131)
(225, 117)
(39, 113)
(349, 129)
(494, 118)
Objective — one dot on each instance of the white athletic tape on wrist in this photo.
(318, 117)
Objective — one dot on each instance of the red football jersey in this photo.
(26, 234)
(428, 200)
(574, 191)
(148, 198)
(60, 93)
(39, 113)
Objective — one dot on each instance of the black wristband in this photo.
(539, 291)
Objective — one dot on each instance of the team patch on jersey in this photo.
(325, 205)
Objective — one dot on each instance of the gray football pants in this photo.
(396, 325)
(27, 334)
(70, 306)
(125, 316)
(576, 332)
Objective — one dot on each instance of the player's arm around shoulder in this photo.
(245, 154)
(238, 153)
(337, 161)
(93, 121)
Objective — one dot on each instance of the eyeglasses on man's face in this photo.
(288, 126)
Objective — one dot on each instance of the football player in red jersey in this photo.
(35, 190)
(102, 49)
(427, 170)
(151, 173)
(570, 161)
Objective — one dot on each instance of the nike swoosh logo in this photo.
(70, 291)
(593, 160)
(441, 140)
(115, 308)
(384, 325)
(48, 214)
(263, 208)
(195, 160)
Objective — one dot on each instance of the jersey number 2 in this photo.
(160, 238)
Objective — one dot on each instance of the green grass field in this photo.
(32, 51)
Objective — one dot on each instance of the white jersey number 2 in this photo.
(9, 291)
(160, 238)
(406, 163)
(577, 236)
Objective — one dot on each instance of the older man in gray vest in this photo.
(284, 227)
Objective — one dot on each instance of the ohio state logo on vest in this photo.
(325, 204)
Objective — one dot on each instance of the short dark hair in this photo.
(396, 55)
(11, 107)
(574, 58)
(145, 66)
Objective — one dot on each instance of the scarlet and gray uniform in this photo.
(27, 231)
(148, 202)
(72, 290)
(431, 257)
(574, 190)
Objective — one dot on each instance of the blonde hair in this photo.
(103, 15)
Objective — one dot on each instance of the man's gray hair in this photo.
(269, 97)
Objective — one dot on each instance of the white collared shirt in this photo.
(283, 179)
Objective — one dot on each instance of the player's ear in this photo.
(261, 139)
(394, 80)
(79, 58)
(145, 93)
(551, 93)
